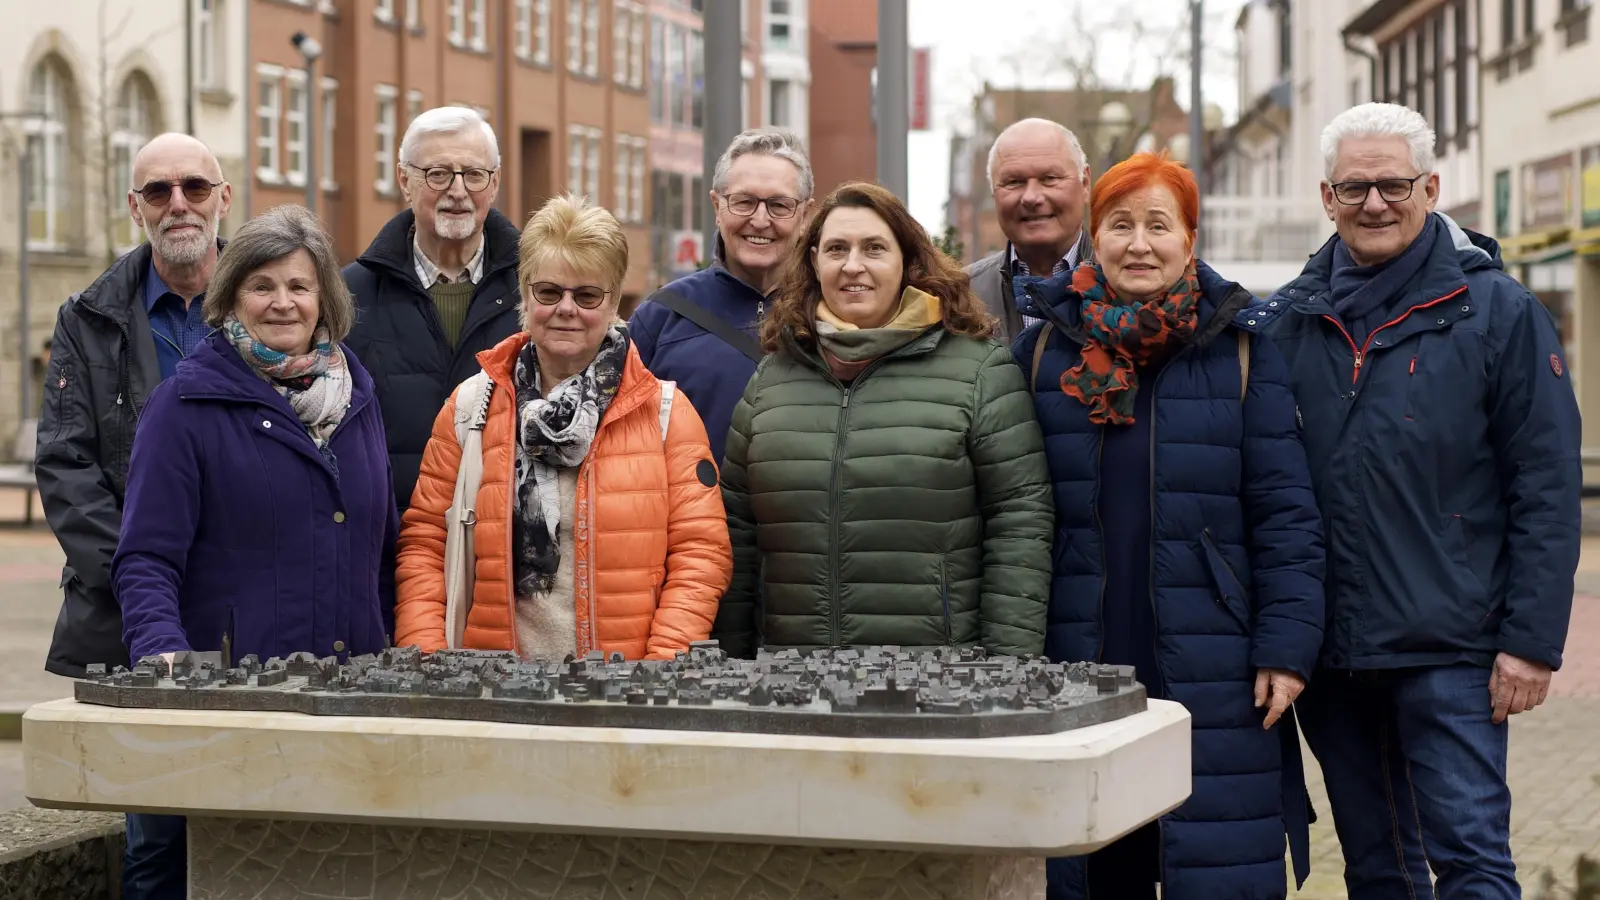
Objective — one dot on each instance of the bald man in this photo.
(1040, 182)
(113, 343)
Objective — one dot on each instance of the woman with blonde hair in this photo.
(599, 525)
(885, 478)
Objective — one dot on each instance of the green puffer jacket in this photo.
(912, 507)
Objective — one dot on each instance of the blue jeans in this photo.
(156, 864)
(1416, 775)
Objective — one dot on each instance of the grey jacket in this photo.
(991, 282)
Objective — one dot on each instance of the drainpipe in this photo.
(188, 68)
(1360, 49)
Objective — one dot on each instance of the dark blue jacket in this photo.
(709, 371)
(1445, 454)
(1236, 578)
(236, 525)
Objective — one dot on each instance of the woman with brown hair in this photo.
(885, 477)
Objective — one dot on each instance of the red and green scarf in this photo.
(1121, 337)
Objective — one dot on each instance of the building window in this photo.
(269, 112)
(383, 11)
(294, 130)
(636, 48)
(458, 23)
(414, 14)
(207, 62)
(591, 38)
(636, 177)
(523, 29)
(1508, 24)
(413, 106)
(779, 24)
(135, 123)
(619, 179)
(658, 71)
(627, 43)
(583, 161)
(1528, 18)
(541, 32)
(697, 80)
(330, 119)
(778, 109)
(575, 36)
(383, 158)
(478, 22)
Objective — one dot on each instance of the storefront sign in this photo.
(1549, 192)
(1590, 203)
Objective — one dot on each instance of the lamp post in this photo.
(310, 51)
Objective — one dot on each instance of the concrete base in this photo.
(53, 855)
(235, 859)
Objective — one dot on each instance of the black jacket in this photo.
(399, 339)
(102, 368)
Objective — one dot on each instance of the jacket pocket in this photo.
(1230, 590)
(944, 600)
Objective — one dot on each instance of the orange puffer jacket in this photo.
(651, 554)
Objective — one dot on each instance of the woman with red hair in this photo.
(1188, 542)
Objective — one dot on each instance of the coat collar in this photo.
(121, 286)
(1055, 300)
(391, 249)
(1456, 252)
(216, 372)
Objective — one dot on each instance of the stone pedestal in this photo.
(290, 806)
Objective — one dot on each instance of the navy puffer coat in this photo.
(1236, 579)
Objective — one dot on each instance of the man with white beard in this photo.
(113, 343)
(439, 282)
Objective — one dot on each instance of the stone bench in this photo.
(49, 854)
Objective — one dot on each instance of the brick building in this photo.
(563, 82)
(844, 52)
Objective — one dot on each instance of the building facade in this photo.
(83, 85)
(843, 53)
(563, 82)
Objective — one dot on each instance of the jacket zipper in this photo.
(1361, 352)
(594, 618)
(1100, 526)
(834, 512)
(944, 597)
(1155, 616)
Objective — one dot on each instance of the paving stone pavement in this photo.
(1555, 750)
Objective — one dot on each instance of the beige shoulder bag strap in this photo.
(1244, 364)
(472, 411)
(1038, 354)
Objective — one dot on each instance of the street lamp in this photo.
(310, 51)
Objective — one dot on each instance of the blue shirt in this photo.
(177, 329)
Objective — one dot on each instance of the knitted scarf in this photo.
(554, 434)
(316, 384)
(1121, 337)
(848, 349)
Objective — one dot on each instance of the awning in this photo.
(1534, 246)
(1587, 242)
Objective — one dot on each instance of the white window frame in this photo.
(575, 36)
(636, 45)
(388, 135)
(413, 14)
(638, 176)
(595, 161)
(268, 144)
(134, 122)
(577, 156)
(522, 28)
(623, 149)
(591, 39)
(478, 20)
(413, 105)
(51, 136)
(541, 32)
(787, 20)
(329, 105)
(457, 15)
(621, 13)
(295, 114)
(206, 44)
(788, 103)
(383, 11)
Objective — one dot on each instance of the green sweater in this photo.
(912, 507)
(452, 301)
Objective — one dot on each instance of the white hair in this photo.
(1064, 131)
(765, 142)
(447, 120)
(1380, 120)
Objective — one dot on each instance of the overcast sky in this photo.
(1021, 42)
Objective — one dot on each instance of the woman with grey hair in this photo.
(260, 516)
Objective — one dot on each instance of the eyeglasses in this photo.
(159, 193)
(440, 178)
(777, 207)
(548, 293)
(1392, 190)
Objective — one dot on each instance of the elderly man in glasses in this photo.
(1443, 434)
(700, 330)
(439, 282)
(113, 343)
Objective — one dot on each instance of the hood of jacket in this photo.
(1456, 253)
(391, 249)
(1054, 300)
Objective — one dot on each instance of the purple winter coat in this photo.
(236, 525)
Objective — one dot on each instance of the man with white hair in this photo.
(113, 343)
(1439, 420)
(439, 282)
(1040, 182)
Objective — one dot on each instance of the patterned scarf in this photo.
(1122, 337)
(554, 434)
(316, 384)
